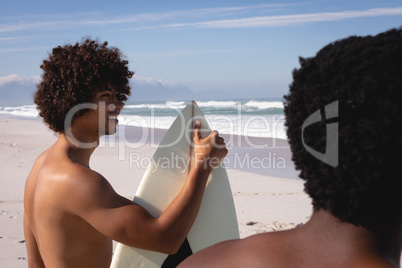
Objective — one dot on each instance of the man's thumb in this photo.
(197, 131)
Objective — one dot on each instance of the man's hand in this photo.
(208, 151)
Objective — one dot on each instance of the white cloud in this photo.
(8, 38)
(57, 21)
(8, 50)
(27, 80)
(43, 21)
(81, 19)
(20, 79)
(187, 52)
(154, 81)
(285, 20)
(183, 14)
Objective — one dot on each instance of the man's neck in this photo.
(78, 151)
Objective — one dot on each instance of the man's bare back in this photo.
(324, 241)
(52, 203)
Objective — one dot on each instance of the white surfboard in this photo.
(216, 220)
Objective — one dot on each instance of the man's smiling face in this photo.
(103, 119)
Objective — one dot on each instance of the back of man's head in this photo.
(362, 77)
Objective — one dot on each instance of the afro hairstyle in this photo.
(364, 76)
(71, 76)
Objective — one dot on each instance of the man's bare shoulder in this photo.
(30, 183)
(38, 164)
(277, 249)
(58, 177)
(253, 251)
(56, 165)
(73, 177)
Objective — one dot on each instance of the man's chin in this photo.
(110, 131)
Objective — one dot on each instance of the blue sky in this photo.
(245, 48)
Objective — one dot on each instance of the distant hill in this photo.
(147, 89)
(151, 89)
(17, 90)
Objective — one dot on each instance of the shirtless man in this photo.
(357, 217)
(72, 213)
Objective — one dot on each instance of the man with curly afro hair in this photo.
(72, 213)
(344, 124)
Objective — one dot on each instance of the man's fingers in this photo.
(197, 131)
(214, 137)
(221, 140)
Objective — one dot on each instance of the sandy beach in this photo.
(267, 194)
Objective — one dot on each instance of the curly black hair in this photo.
(73, 73)
(364, 74)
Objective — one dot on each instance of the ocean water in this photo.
(253, 118)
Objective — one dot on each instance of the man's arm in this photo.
(33, 254)
(122, 220)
